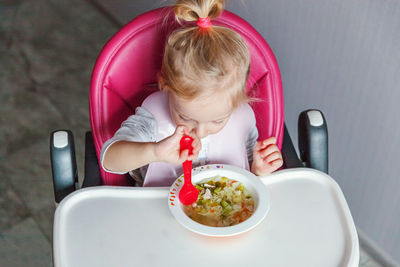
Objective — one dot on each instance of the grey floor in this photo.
(47, 52)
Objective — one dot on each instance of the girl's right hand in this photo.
(168, 149)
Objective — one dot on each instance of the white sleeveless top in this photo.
(226, 147)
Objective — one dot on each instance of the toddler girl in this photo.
(202, 81)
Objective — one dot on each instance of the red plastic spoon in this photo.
(188, 194)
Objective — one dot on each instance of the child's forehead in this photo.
(205, 108)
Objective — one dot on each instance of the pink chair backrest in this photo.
(129, 62)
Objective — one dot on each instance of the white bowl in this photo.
(252, 183)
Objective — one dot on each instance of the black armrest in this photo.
(313, 139)
(63, 163)
(92, 170)
(289, 155)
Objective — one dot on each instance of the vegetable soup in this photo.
(222, 202)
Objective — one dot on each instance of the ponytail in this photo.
(199, 59)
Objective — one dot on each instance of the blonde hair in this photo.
(201, 61)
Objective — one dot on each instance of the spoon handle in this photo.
(188, 193)
(186, 143)
(187, 171)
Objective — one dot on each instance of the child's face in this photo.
(202, 116)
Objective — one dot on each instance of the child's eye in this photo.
(218, 122)
(183, 118)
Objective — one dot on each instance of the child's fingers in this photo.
(276, 163)
(258, 146)
(196, 152)
(191, 133)
(185, 130)
(183, 155)
(196, 144)
(274, 156)
(263, 144)
(182, 130)
(268, 150)
(179, 132)
(269, 141)
(196, 149)
(192, 157)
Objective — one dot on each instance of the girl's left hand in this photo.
(266, 157)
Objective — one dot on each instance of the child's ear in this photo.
(160, 80)
(162, 85)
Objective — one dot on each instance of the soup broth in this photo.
(222, 202)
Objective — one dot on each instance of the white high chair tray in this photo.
(309, 224)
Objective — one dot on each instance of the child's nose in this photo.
(201, 131)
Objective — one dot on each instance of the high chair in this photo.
(125, 74)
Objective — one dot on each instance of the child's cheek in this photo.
(216, 128)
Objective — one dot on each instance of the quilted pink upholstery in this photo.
(125, 73)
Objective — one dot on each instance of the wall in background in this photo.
(343, 58)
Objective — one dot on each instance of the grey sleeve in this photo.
(140, 127)
(250, 143)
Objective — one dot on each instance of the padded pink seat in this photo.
(125, 74)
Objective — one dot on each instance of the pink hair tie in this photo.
(204, 23)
